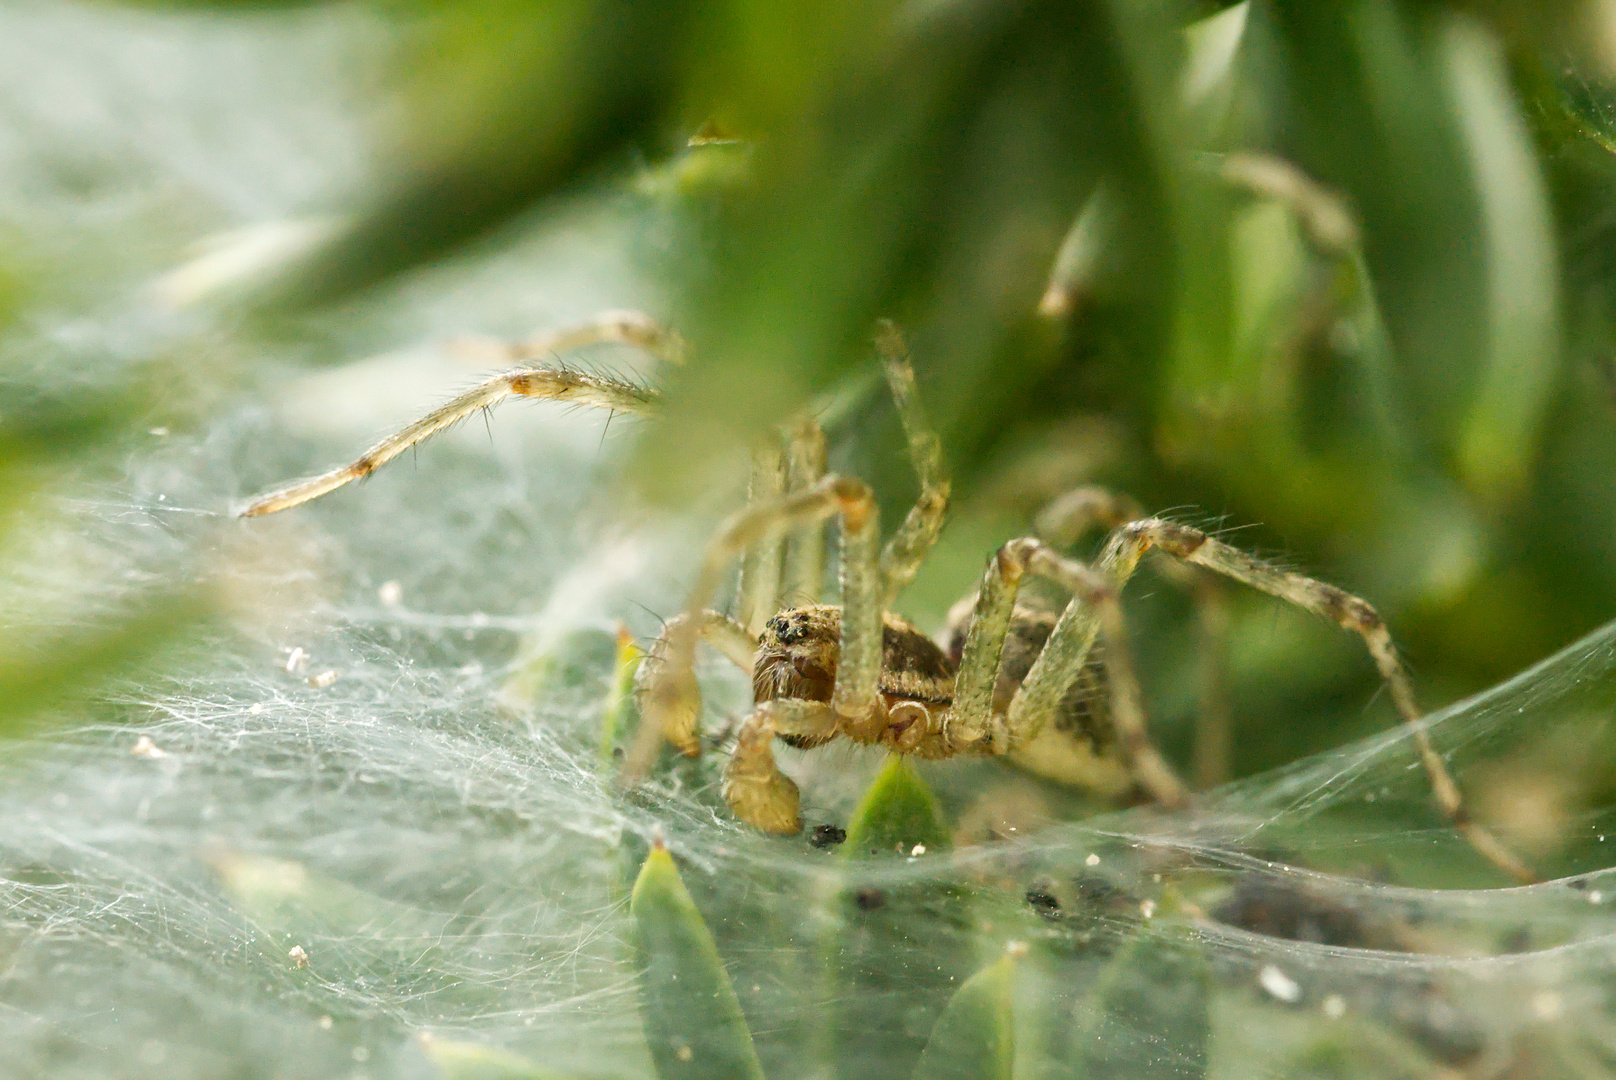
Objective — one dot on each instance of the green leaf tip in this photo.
(693, 1023)
(617, 715)
(898, 814)
(474, 1061)
(975, 1038)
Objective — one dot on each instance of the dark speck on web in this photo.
(1044, 903)
(870, 899)
(827, 836)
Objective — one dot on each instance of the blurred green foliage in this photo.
(1330, 271)
(1340, 270)
(75, 618)
(1333, 271)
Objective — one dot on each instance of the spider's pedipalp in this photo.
(757, 791)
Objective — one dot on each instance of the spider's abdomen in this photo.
(1083, 712)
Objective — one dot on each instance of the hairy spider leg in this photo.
(623, 327)
(572, 387)
(800, 573)
(678, 723)
(803, 572)
(669, 698)
(757, 594)
(915, 536)
(1069, 518)
(971, 720)
(1075, 632)
(1100, 592)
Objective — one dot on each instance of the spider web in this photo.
(221, 868)
(450, 864)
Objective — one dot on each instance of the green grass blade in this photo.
(1498, 438)
(897, 813)
(901, 949)
(975, 1038)
(693, 1022)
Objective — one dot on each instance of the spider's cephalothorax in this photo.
(1056, 694)
(796, 658)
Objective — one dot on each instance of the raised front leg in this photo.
(1069, 518)
(913, 541)
(1080, 623)
(1349, 612)
(571, 387)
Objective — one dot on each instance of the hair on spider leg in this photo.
(1379, 692)
(1213, 525)
(661, 619)
(1179, 515)
(1218, 526)
(789, 600)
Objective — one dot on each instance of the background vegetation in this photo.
(1333, 276)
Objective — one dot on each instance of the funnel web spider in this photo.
(1016, 682)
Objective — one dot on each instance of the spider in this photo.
(1057, 694)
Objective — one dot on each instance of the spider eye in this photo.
(787, 631)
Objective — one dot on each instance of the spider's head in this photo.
(796, 655)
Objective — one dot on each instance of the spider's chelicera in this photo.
(1055, 693)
